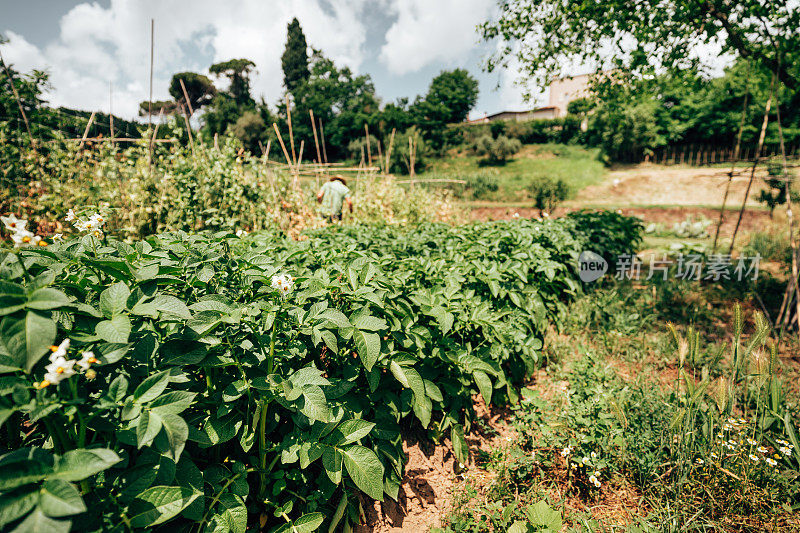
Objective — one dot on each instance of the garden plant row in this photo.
(218, 383)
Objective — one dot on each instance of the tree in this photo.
(643, 36)
(496, 151)
(456, 91)
(238, 72)
(294, 60)
(250, 129)
(200, 89)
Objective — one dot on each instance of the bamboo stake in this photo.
(186, 97)
(733, 165)
(316, 142)
(380, 157)
(111, 109)
(369, 150)
(789, 216)
(322, 138)
(291, 134)
(389, 151)
(188, 128)
(755, 164)
(19, 102)
(283, 146)
(86, 131)
(216, 141)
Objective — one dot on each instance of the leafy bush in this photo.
(548, 193)
(233, 383)
(481, 185)
(607, 233)
(496, 151)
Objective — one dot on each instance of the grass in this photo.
(620, 433)
(578, 167)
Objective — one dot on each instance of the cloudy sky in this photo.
(402, 44)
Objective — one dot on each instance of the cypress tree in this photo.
(295, 57)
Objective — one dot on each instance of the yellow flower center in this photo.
(42, 243)
(13, 224)
(26, 239)
(53, 348)
(43, 384)
(60, 370)
(91, 360)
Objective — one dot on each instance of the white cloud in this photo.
(96, 45)
(429, 31)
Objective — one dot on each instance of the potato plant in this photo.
(206, 382)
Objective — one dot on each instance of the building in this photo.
(562, 92)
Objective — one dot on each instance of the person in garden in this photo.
(332, 196)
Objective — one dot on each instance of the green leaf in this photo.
(177, 432)
(365, 469)
(170, 305)
(350, 431)
(230, 514)
(518, 527)
(148, 427)
(369, 323)
(409, 378)
(336, 317)
(460, 446)
(484, 385)
(338, 514)
(314, 404)
(308, 376)
(542, 515)
(332, 463)
(308, 523)
(17, 503)
(172, 403)
(152, 387)
(12, 297)
(40, 334)
(37, 522)
(76, 465)
(20, 473)
(368, 346)
(113, 300)
(59, 498)
(47, 298)
(158, 504)
(116, 330)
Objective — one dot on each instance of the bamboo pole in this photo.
(291, 133)
(733, 167)
(322, 138)
(755, 164)
(86, 131)
(369, 150)
(152, 48)
(389, 151)
(188, 129)
(186, 97)
(316, 141)
(111, 109)
(283, 146)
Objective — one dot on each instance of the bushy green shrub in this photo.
(496, 151)
(547, 193)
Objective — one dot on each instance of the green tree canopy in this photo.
(643, 35)
(294, 60)
(238, 72)
(200, 89)
(456, 91)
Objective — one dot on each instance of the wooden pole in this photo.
(86, 131)
(322, 138)
(733, 167)
(111, 109)
(283, 146)
(755, 164)
(389, 152)
(188, 128)
(316, 141)
(291, 134)
(369, 150)
(186, 97)
(216, 141)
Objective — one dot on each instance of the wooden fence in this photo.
(699, 155)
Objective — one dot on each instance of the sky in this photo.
(98, 53)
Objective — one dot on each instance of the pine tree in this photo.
(295, 57)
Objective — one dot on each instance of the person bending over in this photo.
(332, 196)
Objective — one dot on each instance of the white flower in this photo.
(515, 215)
(566, 451)
(752, 442)
(761, 449)
(785, 450)
(60, 351)
(11, 222)
(713, 455)
(593, 454)
(699, 461)
(594, 481)
(24, 238)
(58, 237)
(770, 461)
(753, 458)
(585, 460)
(546, 214)
(241, 233)
(282, 283)
(58, 370)
(70, 216)
(87, 358)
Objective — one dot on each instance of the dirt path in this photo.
(652, 185)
